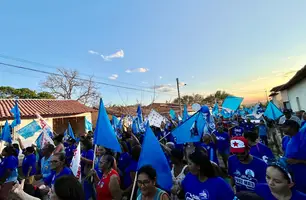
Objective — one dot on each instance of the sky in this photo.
(242, 47)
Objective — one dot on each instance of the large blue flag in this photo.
(232, 103)
(6, 133)
(70, 132)
(152, 154)
(88, 125)
(272, 111)
(104, 134)
(29, 130)
(191, 130)
(185, 113)
(16, 113)
(139, 114)
(172, 114)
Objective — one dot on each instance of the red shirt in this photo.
(102, 187)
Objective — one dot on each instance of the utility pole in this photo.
(179, 95)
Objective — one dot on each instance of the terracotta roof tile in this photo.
(45, 107)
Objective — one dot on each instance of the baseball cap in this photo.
(238, 144)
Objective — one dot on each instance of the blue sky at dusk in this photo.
(243, 47)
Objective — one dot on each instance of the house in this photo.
(57, 113)
(293, 93)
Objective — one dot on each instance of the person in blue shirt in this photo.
(223, 144)
(263, 132)
(29, 164)
(209, 143)
(16, 146)
(249, 126)
(236, 131)
(69, 150)
(202, 182)
(296, 153)
(45, 162)
(124, 159)
(246, 170)
(258, 149)
(8, 165)
(285, 141)
(280, 183)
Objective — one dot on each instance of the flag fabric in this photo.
(232, 103)
(104, 134)
(70, 132)
(115, 122)
(44, 125)
(43, 139)
(6, 133)
(88, 125)
(29, 130)
(152, 154)
(272, 111)
(135, 126)
(185, 113)
(139, 114)
(15, 111)
(215, 110)
(172, 114)
(75, 165)
(156, 119)
(226, 113)
(191, 130)
(258, 111)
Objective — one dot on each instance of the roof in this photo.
(277, 88)
(45, 107)
(299, 76)
(273, 94)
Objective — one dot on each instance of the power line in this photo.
(82, 79)
(54, 67)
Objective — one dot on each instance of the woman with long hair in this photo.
(202, 182)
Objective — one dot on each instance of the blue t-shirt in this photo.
(296, 149)
(11, 163)
(45, 167)
(212, 151)
(262, 129)
(264, 192)
(213, 188)
(285, 141)
(246, 176)
(69, 150)
(127, 181)
(29, 161)
(222, 141)
(249, 126)
(261, 151)
(124, 161)
(50, 180)
(237, 131)
(88, 155)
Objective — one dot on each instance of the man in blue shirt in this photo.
(246, 170)
(45, 162)
(263, 132)
(296, 153)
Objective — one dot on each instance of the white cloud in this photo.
(139, 70)
(93, 52)
(164, 88)
(113, 76)
(118, 54)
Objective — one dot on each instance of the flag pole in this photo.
(134, 185)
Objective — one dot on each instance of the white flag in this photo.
(155, 119)
(46, 139)
(75, 165)
(44, 125)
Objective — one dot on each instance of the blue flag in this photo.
(135, 126)
(16, 113)
(215, 110)
(139, 114)
(172, 114)
(226, 114)
(190, 130)
(152, 154)
(38, 140)
(6, 133)
(70, 132)
(272, 111)
(115, 122)
(29, 130)
(185, 113)
(104, 134)
(232, 103)
(88, 125)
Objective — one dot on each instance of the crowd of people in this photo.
(233, 161)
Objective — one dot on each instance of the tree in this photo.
(67, 84)
(200, 99)
(7, 92)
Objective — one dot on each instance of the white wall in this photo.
(277, 100)
(298, 90)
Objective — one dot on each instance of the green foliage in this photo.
(7, 92)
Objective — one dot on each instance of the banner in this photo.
(155, 119)
(75, 165)
(29, 130)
